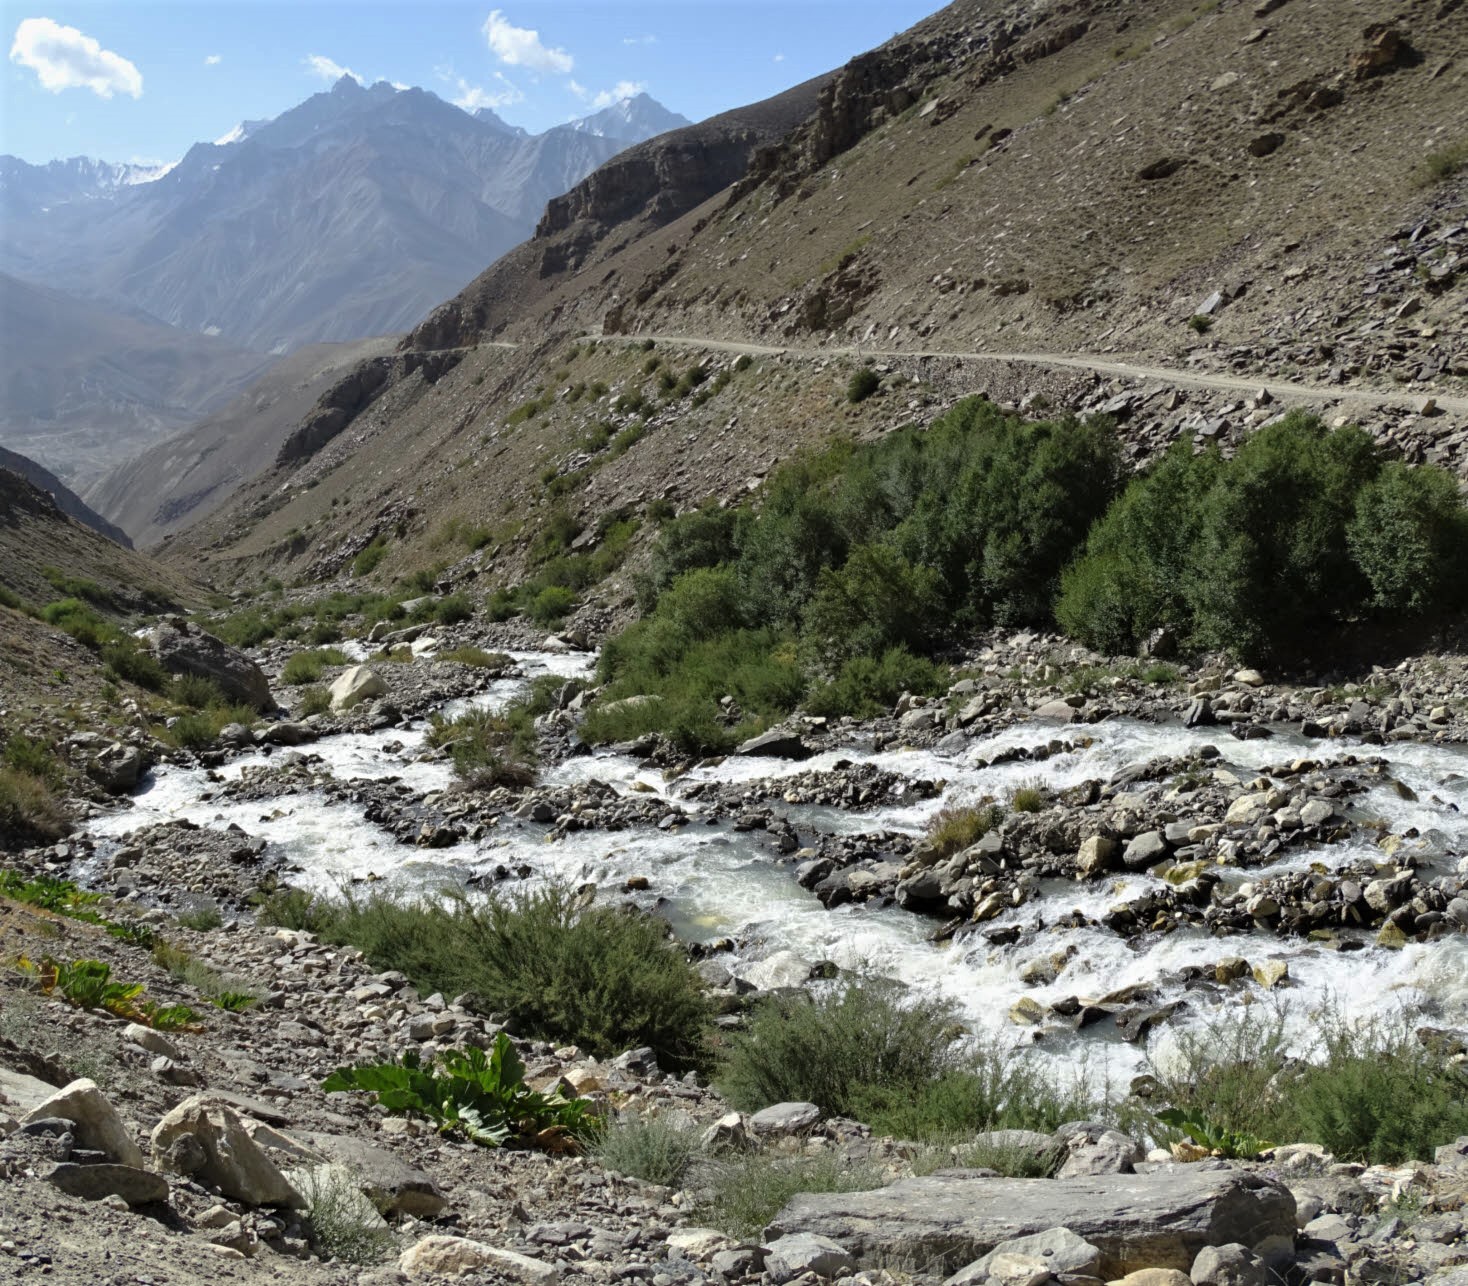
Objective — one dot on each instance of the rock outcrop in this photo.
(183, 648)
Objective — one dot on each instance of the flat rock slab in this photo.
(389, 1181)
(93, 1182)
(1157, 1220)
(22, 1091)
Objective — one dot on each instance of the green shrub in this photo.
(551, 604)
(370, 557)
(126, 662)
(200, 915)
(314, 700)
(195, 691)
(1409, 537)
(9, 598)
(30, 755)
(1445, 163)
(743, 362)
(861, 1038)
(78, 587)
(649, 1148)
(453, 609)
(1200, 323)
(199, 730)
(290, 908)
(862, 385)
(81, 622)
(480, 1095)
(954, 829)
(866, 686)
(1028, 798)
(875, 601)
(598, 977)
(345, 1225)
(488, 748)
(308, 667)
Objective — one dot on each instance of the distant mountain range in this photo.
(66, 500)
(347, 216)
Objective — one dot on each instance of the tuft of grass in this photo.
(314, 700)
(200, 729)
(862, 385)
(1028, 797)
(370, 558)
(219, 989)
(201, 915)
(1201, 323)
(743, 1195)
(1444, 163)
(954, 829)
(29, 811)
(289, 908)
(345, 1225)
(649, 1148)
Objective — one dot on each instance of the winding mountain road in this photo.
(1284, 390)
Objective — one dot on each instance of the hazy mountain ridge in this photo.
(349, 215)
(71, 504)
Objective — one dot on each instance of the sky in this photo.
(141, 82)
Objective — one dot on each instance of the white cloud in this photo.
(639, 40)
(607, 97)
(212, 60)
(779, 58)
(521, 47)
(472, 97)
(330, 69)
(63, 58)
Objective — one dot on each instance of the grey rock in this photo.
(98, 1127)
(207, 1139)
(1161, 1219)
(785, 1118)
(1058, 1249)
(777, 745)
(394, 1186)
(116, 768)
(807, 1252)
(1144, 850)
(183, 648)
(1229, 1265)
(1057, 712)
(93, 1182)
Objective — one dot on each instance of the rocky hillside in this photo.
(71, 504)
(184, 477)
(348, 216)
(1110, 206)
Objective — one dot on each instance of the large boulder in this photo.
(776, 744)
(183, 648)
(1157, 1220)
(98, 1126)
(356, 685)
(207, 1139)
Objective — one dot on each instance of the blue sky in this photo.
(142, 81)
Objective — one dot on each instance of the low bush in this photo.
(861, 1038)
(345, 1225)
(866, 686)
(488, 748)
(370, 557)
(482, 1096)
(200, 729)
(601, 978)
(1366, 1090)
(453, 609)
(862, 385)
(290, 908)
(650, 1148)
(313, 700)
(83, 624)
(308, 667)
(78, 587)
(956, 828)
(551, 605)
(196, 692)
(1028, 797)
(126, 662)
(31, 755)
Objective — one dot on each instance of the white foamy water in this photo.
(712, 881)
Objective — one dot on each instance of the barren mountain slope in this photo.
(1063, 179)
(190, 474)
(66, 499)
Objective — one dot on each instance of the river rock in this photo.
(1230, 1265)
(1154, 1277)
(207, 1139)
(1056, 1250)
(1247, 810)
(116, 768)
(183, 648)
(776, 744)
(356, 685)
(1160, 1219)
(807, 1252)
(93, 1182)
(1096, 855)
(98, 1127)
(1057, 712)
(443, 1256)
(781, 970)
(1144, 850)
(785, 1118)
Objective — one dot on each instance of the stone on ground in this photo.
(98, 1126)
(356, 685)
(183, 648)
(1230, 1265)
(207, 1139)
(394, 1186)
(1055, 1251)
(94, 1182)
(442, 1256)
(785, 1118)
(807, 1252)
